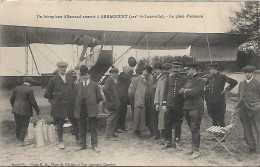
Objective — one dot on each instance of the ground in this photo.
(128, 150)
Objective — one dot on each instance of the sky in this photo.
(215, 18)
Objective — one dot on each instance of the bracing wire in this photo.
(45, 45)
(43, 55)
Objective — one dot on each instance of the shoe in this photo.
(22, 144)
(120, 131)
(82, 148)
(111, 138)
(178, 147)
(189, 152)
(167, 145)
(96, 149)
(114, 135)
(194, 155)
(252, 150)
(61, 145)
(212, 139)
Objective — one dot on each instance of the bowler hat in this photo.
(62, 64)
(84, 70)
(248, 69)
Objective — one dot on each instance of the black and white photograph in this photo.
(129, 83)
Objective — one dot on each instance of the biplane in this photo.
(204, 46)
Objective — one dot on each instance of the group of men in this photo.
(160, 96)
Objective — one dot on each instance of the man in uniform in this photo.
(174, 101)
(60, 92)
(192, 91)
(215, 94)
(249, 108)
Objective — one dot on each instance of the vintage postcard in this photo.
(142, 59)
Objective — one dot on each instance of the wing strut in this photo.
(34, 60)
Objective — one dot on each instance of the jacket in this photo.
(249, 96)
(111, 92)
(93, 98)
(23, 100)
(193, 95)
(123, 84)
(61, 96)
(140, 92)
(215, 85)
(171, 94)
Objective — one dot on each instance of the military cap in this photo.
(157, 65)
(84, 70)
(167, 66)
(190, 65)
(113, 70)
(62, 64)
(28, 79)
(176, 64)
(214, 65)
(248, 69)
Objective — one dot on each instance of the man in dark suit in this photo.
(174, 101)
(87, 97)
(60, 91)
(124, 80)
(22, 101)
(111, 92)
(215, 94)
(192, 91)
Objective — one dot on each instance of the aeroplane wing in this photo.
(19, 36)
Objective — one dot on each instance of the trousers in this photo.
(111, 122)
(250, 122)
(217, 112)
(22, 123)
(59, 122)
(173, 120)
(122, 115)
(193, 117)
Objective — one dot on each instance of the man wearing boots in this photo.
(215, 95)
(192, 91)
(174, 101)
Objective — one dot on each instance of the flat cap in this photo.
(62, 64)
(213, 65)
(176, 63)
(190, 65)
(167, 66)
(113, 70)
(157, 65)
(248, 69)
(84, 70)
(28, 79)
